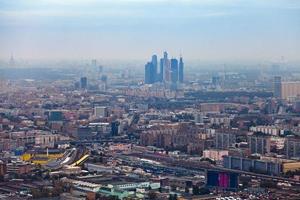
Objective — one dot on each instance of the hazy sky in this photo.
(135, 29)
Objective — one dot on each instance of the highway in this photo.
(72, 157)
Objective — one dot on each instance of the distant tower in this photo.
(174, 73)
(161, 70)
(103, 82)
(277, 86)
(11, 60)
(181, 68)
(83, 82)
(275, 69)
(149, 73)
(92, 70)
(167, 68)
(154, 63)
(100, 70)
(174, 70)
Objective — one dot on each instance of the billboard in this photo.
(226, 180)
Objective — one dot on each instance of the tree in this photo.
(268, 184)
(173, 197)
(196, 190)
(203, 191)
(152, 195)
(245, 184)
(187, 190)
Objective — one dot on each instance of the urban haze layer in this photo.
(191, 101)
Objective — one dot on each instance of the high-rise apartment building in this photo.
(224, 140)
(290, 89)
(292, 148)
(259, 144)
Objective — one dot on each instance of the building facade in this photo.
(290, 89)
(224, 140)
(252, 165)
(259, 144)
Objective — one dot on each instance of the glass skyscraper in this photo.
(174, 70)
(154, 70)
(181, 66)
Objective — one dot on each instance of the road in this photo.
(191, 167)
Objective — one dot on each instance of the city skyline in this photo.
(149, 99)
(168, 71)
(130, 29)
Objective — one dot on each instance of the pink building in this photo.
(215, 154)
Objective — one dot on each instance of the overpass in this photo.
(196, 166)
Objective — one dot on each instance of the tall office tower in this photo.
(154, 63)
(174, 70)
(83, 82)
(277, 86)
(167, 68)
(99, 72)
(103, 83)
(165, 55)
(149, 73)
(181, 67)
(161, 70)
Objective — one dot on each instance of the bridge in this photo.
(196, 166)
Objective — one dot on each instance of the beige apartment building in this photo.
(290, 89)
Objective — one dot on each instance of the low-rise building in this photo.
(215, 154)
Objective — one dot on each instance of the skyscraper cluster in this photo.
(170, 70)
